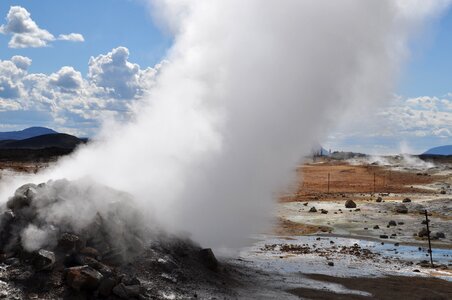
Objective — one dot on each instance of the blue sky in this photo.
(115, 54)
(105, 24)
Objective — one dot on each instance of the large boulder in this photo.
(350, 204)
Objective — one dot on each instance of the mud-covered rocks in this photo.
(44, 260)
(401, 209)
(350, 204)
(83, 278)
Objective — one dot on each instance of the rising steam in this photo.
(249, 88)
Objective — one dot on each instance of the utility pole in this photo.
(374, 182)
(428, 235)
(328, 183)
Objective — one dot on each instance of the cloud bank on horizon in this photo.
(68, 100)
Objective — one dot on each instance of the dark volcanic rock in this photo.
(423, 232)
(69, 242)
(83, 278)
(313, 210)
(401, 209)
(106, 286)
(44, 260)
(208, 259)
(350, 204)
(392, 223)
(440, 235)
(127, 291)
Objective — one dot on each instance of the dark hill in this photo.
(58, 140)
(441, 150)
(26, 133)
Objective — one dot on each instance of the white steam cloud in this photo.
(249, 88)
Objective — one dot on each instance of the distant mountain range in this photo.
(26, 133)
(441, 150)
(38, 138)
(57, 140)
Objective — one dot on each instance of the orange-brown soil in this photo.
(352, 180)
(22, 167)
(288, 228)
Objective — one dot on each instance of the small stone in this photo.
(323, 211)
(406, 200)
(416, 271)
(383, 236)
(350, 204)
(392, 223)
(313, 210)
(400, 223)
(376, 227)
(397, 244)
(379, 199)
(305, 204)
(330, 263)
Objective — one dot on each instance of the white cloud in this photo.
(71, 100)
(116, 74)
(73, 37)
(25, 33)
(67, 79)
(21, 62)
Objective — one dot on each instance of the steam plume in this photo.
(249, 88)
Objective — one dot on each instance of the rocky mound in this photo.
(83, 241)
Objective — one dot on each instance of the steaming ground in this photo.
(247, 90)
(311, 255)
